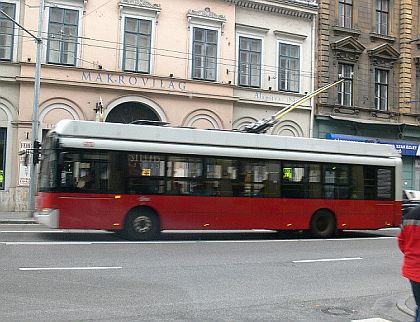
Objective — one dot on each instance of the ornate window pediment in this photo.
(383, 55)
(142, 7)
(348, 49)
(206, 17)
(71, 3)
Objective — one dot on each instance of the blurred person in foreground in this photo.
(409, 243)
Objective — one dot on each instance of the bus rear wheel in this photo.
(323, 224)
(141, 224)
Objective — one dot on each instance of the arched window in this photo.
(131, 111)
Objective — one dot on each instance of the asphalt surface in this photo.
(403, 303)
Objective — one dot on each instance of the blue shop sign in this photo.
(405, 148)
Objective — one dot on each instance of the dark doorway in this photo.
(131, 111)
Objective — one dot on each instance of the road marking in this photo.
(120, 242)
(67, 268)
(31, 231)
(328, 260)
(46, 243)
(372, 320)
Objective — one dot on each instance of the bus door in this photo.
(192, 200)
(89, 193)
(249, 193)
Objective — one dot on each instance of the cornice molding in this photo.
(348, 49)
(294, 8)
(142, 6)
(254, 29)
(206, 15)
(383, 56)
(280, 33)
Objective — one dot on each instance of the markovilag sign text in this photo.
(134, 81)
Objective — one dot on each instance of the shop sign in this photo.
(134, 81)
(403, 147)
(24, 171)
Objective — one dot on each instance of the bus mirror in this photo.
(36, 152)
(61, 157)
(26, 159)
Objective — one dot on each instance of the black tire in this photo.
(323, 224)
(141, 224)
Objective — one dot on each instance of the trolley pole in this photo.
(35, 112)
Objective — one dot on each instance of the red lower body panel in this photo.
(107, 211)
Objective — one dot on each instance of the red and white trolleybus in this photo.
(142, 179)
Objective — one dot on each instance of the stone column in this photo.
(323, 47)
(406, 71)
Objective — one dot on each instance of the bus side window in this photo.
(336, 181)
(184, 175)
(68, 166)
(221, 177)
(293, 180)
(357, 183)
(314, 184)
(145, 173)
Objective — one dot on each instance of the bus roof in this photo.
(91, 130)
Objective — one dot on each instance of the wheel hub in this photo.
(142, 224)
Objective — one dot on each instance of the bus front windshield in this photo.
(48, 171)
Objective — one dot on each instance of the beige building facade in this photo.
(374, 46)
(205, 64)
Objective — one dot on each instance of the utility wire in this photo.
(232, 63)
(266, 71)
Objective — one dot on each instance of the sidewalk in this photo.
(16, 217)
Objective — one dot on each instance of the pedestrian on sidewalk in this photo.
(409, 243)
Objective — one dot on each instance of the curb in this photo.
(402, 306)
(18, 221)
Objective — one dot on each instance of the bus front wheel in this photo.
(323, 224)
(141, 224)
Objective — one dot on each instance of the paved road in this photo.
(258, 276)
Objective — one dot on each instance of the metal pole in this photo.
(35, 112)
(20, 26)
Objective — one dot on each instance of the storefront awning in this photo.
(364, 121)
(404, 147)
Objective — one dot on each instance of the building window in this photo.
(249, 62)
(381, 89)
(137, 45)
(289, 67)
(62, 36)
(345, 8)
(345, 89)
(7, 29)
(2, 157)
(204, 54)
(382, 16)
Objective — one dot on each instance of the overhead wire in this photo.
(266, 71)
(171, 53)
(230, 64)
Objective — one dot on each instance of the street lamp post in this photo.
(35, 112)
